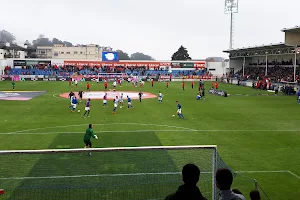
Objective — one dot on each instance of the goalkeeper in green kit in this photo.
(87, 137)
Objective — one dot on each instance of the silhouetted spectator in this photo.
(224, 180)
(189, 190)
(254, 195)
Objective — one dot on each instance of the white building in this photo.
(8, 50)
(59, 51)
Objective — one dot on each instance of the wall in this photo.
(216, 68)
(3, 64)
(2, 52)
(292, 38)
(237, 63)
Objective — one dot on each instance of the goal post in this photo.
(150, 172)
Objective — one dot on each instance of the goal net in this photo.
(111, 76)
(134, 173)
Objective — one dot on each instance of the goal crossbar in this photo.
(144, 148)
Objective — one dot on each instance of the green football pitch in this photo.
(257, 135)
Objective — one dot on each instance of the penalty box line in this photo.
(128, 131)
(137, 131)
(137, 174)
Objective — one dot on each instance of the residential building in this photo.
(59, 51)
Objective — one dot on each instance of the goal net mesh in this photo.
(108, 174)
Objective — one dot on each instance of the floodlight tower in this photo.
(231, 7)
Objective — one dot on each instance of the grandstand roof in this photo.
(258, 48)
(295, 29)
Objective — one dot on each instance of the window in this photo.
(62, 52)
(75, 52)
(81, 52)
(68, 53)
(43, 52)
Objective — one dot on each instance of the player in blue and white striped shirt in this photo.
(179, 112)
(87, 108)
(129, 102)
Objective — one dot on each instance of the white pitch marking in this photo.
(182, 130)
(128, 131)
(251, 172)
(76, 125)
(131, 174)
(295, 175)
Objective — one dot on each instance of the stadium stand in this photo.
(87, 70)
(284, 73)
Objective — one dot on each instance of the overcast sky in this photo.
(154, 27)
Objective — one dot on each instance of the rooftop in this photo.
(260, 47)
(295, 29)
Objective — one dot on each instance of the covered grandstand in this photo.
(279, 60)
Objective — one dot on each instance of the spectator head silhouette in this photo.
(254, 195)
(224, 179)
(190, 174)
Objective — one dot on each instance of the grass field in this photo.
(257, 136)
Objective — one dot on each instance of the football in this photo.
(78, 111)
(173, 115)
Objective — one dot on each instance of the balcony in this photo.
(11, 55)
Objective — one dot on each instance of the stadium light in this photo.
(231, 7)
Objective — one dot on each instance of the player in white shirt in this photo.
(160, 97)
(121, 101)
(97, 80)
(115, 84)
(116, 101)
(76, 82)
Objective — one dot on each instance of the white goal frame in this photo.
(111, 75)
(143, 148)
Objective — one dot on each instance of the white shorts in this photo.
(179, 111)
(129, 103)
(160, 98)
(87, 108)
(104, 101)
(115, 105)
(121, 100)
(74, 105)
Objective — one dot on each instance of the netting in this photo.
(111, 76)
(139, 173)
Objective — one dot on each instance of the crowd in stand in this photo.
(276, 62)
(282, 73)
(224, 178)
(68, 70)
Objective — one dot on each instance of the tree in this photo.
(181, 54)
(140, 56)
(68, 44)
(107, 49)
(123, 55)
(42, 41)
(6, 37)
(56, 41)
